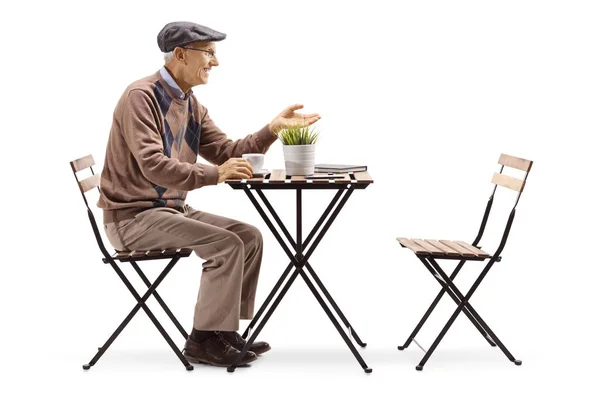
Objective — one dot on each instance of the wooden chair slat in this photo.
(82, 163)
(480, 253)
(463, 252)
(508, 182)
(179, 252)
(515, 162)
(277, 176)
(363, 177)
(430, 248)
(448, 250)
(124, 254)
(412, 246)
(89, 183)
(141, 255)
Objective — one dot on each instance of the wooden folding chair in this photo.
(132, 257)
(429, 250)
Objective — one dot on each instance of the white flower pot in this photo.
(299, 159)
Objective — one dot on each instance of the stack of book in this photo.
(339, 168)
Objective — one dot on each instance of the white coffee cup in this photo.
(255, 159)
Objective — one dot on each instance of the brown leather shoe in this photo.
(214, 350)
(237, 341)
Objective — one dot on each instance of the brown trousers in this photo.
(232, 250)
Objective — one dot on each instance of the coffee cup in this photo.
(255, 159)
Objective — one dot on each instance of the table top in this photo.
(277, 179)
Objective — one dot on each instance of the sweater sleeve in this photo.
(217, 148)
(140, 127)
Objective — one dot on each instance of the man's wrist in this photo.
(274, 129)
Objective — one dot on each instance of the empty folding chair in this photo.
(428, 251)
(132, 257)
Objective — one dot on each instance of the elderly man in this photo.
(159, 128)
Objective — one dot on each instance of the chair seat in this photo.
(453, 249)
(138, 255)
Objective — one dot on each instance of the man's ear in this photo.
(179, 54)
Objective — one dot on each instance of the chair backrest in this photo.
(86, 185)
(510, 183)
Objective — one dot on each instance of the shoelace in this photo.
(222, 340)
(237, 338)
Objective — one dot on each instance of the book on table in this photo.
(340, 168)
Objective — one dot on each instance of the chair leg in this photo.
(439, 337)
(464, 302)
(141, 303)
(415, 331)
(112, 338)
(434, 304)
(495, 338)
(457, 297)
(160, 301)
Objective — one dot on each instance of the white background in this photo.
(426, 93)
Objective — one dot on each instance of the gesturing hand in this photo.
(234, 168)
(289, 118)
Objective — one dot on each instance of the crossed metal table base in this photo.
(299, 260)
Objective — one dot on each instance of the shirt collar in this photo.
(172, 84)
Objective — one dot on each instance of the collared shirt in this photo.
(172, 84)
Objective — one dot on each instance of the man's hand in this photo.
(234, 168)
(289, 118)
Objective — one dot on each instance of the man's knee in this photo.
(256, 234)
(249, 234)
(255, 237)
(234, 240)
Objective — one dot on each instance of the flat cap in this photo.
(181, 33)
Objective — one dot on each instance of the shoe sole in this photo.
(196, 360)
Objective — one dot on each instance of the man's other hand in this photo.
(289, 117)
(234, 168)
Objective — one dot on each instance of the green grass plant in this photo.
(298, 135)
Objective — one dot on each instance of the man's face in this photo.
(199, 58)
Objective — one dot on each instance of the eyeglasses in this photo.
(211, 53)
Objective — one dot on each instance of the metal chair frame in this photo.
(447, 282)
(174, 255)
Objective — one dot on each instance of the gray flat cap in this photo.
(178, 34)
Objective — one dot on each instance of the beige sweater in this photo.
(153, 146)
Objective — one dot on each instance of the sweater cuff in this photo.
(265, 138)
(211, 174)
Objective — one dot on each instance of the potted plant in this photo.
(299, 149)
